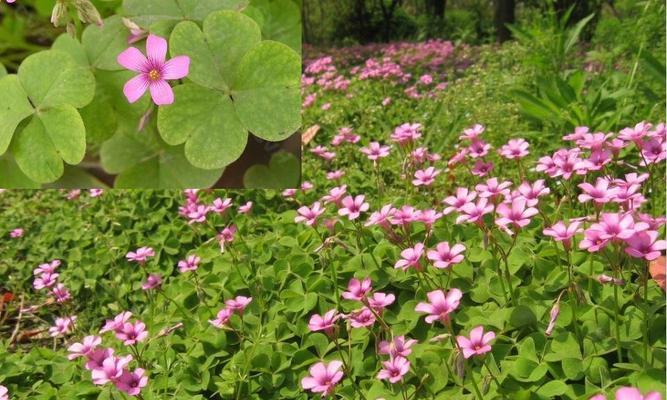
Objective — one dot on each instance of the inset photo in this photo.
(150, 94)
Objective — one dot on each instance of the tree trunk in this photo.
(504, 14)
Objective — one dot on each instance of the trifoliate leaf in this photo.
(14, 108)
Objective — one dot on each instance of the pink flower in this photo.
(406, 134)
(362, 318)
(73, 194)
(222, 318)
(410, 257)
(444, 257)
(96, 192)
(16, 233)
(562, 233)
(152, 282)
(425, 177)
(309, 215)
(617, 226)
(132, 382)
(630, 393)
(553, 316)
(482, 168)
(46, 268)
(335, 175)
(131, 333)
(386, 101)
(429, 217)
(532, 192)
(323, 378)
(394, 369)
(514, 149)
(191, 263)
(46, 280)
(397, 347)
(516, 213)
(477, 344)
(357, 290)
(382, 218)
(457, 158)
(600, 193)
(61, 293)
(238, 304)
(220, 206)
(493, 189)
(405, 215)
(4, 394)
(462, 197)
(426, 79)
(604, 279)
(353, 207)
(95, 358)
(141, 255)
(593, 241)
(478, 148)
(117, 323)
(62, 326)
(645, 245)
(83, 349)
(154, 71)
(472, 133)
(335, 195)
(226, 236)
(326, 322)
(375, 151)
(246, 208)
(198, 213)
(112, 369)
(440, 306)
(379, 301)
(473, 212)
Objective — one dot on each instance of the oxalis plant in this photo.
(165, 95)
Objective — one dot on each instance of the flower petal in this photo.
(132, 59)
(156, 49)
(161, 93)
(176, 68)
(135, 88)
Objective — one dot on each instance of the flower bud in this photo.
(553, 316)
(59, 16)
(87, 12)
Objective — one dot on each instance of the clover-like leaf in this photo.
(65, 83)
(283, 171)
(52, 136)
(280, 21)
(14, 108)
(11, 176)
(3, 70)
(147, 12)
(103, 43)
(207, 123)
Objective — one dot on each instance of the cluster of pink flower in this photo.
(105, 366)
(235, 305)
(16, 233)
(76, 193)
(46, 277)
(141, 256)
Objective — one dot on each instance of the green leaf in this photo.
(73, 47)
(124, 151)
(147, 12)
(226, 37)
(103, 43)
(281, 21)
(11, 176)
(655, 67)
(14, 108)
(282, 172)
(66, 83)
(52, 136)
(552, 389)
(3, 71)
(206, 122)
(575, 32)
(266, 91)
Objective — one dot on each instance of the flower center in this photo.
(154, 74)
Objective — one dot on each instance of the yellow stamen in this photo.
(154, 75)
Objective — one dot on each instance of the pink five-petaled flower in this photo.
(246, 208)
(440, 306)
(516, 214)
(562, 233)
(375, 151)
(141, 255)
(95, 358)
(154, 71)
(309, 215)
(323, 377)
(62, 326)
(394, 369)
(112, 369)
(443, 256)
(425, 177)
(88, 345)
(357, 290)
(326, 322)
(462, 197)
(410, 257)
(152, 282)
(222, 318)
(132, 382)
(630, 393)
(191, 263)
(238, 304)
(379, 301)
(493, 189)
(353, 207)
(362, 318)
(477, 344)
(397, 347)
(131, 333)
(3, 390)
(617, 226)
(514, 149)
(61, 293)
(473, 212)
(117, 323)
(645, 245)
(600, 193)
(16, 233)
